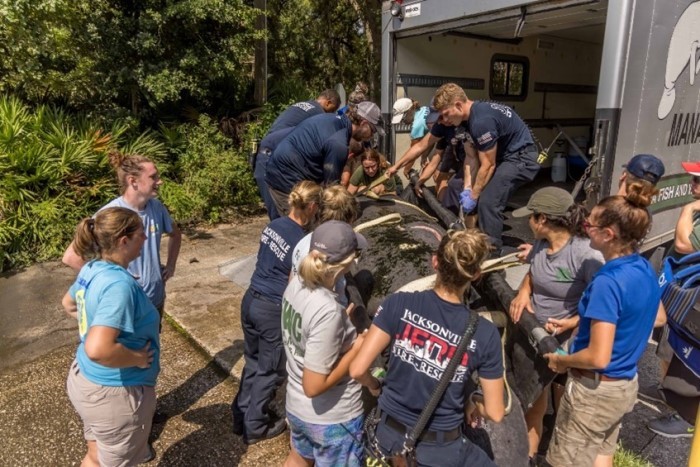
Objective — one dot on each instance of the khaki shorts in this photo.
(117, 418)
(589, 419)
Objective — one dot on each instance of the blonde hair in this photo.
(303, 194)
(459, 257)
(337, 204)
(99, 235)
(315, 268)
(127, 165)
(447, 95)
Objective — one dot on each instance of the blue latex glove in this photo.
(466, 200)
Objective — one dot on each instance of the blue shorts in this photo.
(328, 445)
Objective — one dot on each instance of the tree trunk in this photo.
(260, 67)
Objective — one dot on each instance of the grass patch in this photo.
(625, 458)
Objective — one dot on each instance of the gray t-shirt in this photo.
(316, 332)
(559, 279)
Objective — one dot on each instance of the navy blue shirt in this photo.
(274, 263)
(425, 331)
(490, 123)
(295, 114)
(287, 120)
(315, 150)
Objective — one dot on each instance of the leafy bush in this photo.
(54, 172)
(209, 177)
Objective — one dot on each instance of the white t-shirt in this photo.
(316, 332)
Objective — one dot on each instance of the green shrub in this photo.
(54, 172)
(209, 177)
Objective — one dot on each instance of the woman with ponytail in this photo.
(139, 183)
(112, 381)
(617, 313)
(424, 330)
(324, 405)
(261, 310)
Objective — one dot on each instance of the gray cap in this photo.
(337, 240)
(550, 200)
(370, 112)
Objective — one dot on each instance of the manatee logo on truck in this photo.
(682, 53)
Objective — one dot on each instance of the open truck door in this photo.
(596, 80)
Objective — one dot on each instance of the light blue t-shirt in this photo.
(420, 126)
(146, 268)
(107, 295)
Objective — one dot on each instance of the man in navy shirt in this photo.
(317, 150)
(505, 149)
(326, 102)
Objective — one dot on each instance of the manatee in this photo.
(402, 238)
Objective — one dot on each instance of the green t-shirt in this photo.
(695, 234)
(359, 178)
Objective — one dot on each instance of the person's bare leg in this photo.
(90, 459)
(533, 419)
(603, 461)
(663, 366)
(294, 459)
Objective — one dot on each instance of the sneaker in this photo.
(273, 430)
(672, 426)
(237, 429)
(160, 417)
(150, 456)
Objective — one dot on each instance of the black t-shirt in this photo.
(315, 150)
(425, 331)
(490, 123)
(295, 114)
(287, 120)
(274, 263)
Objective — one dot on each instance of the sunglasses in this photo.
(587, 225)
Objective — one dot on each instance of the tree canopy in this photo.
(156, 59)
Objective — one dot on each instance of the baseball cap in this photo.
(550, 200)
(693, 168)
(370, 112)
(336, 240)
(433, 113)
(646, 167)
(401, 106)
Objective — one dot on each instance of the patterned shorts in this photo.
(328, 445)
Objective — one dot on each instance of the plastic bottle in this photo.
(559, 168)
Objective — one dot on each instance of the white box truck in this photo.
(616, 76)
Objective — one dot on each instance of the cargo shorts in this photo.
(589, 419)
(117, 418)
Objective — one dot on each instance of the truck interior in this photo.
(544, 64)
